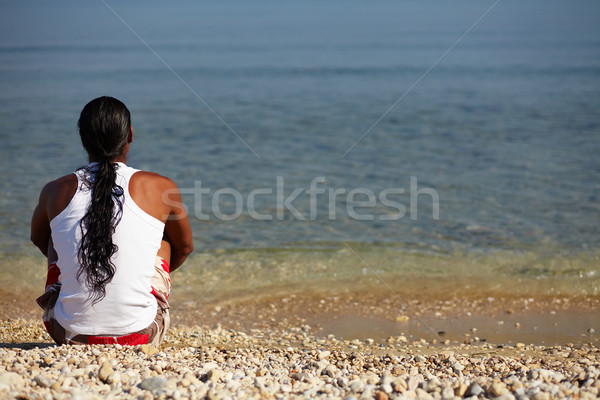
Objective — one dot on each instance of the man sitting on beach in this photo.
(112, 235)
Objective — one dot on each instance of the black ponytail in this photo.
(104, 127)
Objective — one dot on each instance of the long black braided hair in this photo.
(104, 127)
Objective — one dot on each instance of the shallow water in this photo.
(533, 328)
(504, 130)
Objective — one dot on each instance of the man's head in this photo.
(105, 127)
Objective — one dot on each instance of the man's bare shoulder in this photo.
(57, 194)
(64, 184)
(152, 178)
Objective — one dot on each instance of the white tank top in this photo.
(128, 305)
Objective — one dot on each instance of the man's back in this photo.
(137, 236)
(153, 193)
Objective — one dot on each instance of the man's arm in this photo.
(40, 224)
(177, 228)
(158, 196)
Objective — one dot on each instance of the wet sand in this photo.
(543, 320)
(361, 315)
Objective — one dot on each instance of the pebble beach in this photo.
(289, 358)
(389, 200)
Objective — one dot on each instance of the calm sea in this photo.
(447, 138)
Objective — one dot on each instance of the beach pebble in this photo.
(154, 383)
(148, 350)
(457, 367)
(498, 389)
(474, 390)
(214, 375)
(113, 378)
(460, 390)
(105, 371)
(399, 385)
(447, 393)
(356, 386)
(381, 395)
(423, 395)
(420, 359)
(541, 396)
(42, 381)
(11, 379)
(301, 376)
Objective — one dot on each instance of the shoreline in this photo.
(369, 314)
(302, 345)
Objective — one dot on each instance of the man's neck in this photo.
(121, 159)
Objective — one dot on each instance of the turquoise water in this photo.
(504, 129)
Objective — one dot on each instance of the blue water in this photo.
(505, 128)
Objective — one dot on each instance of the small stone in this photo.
(423, 395)
(357, 386)
(11, 378)
(323, 355)
(460, 390)
(387, 387)
(102, 358)
(115, 377)
(105, 371)
(413, 382)
(432, 385)
(154, 383)
(148, 350)
(214, 375)
(498, 389)
(381, 395)
(447, 392)
(341, 382)
(520, 345)
(457, 367)
(185, 382)
(42, 381)
(399, 385)
(301, 376)
(541, 396)
(474, 390)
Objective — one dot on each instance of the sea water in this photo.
(442, 139)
